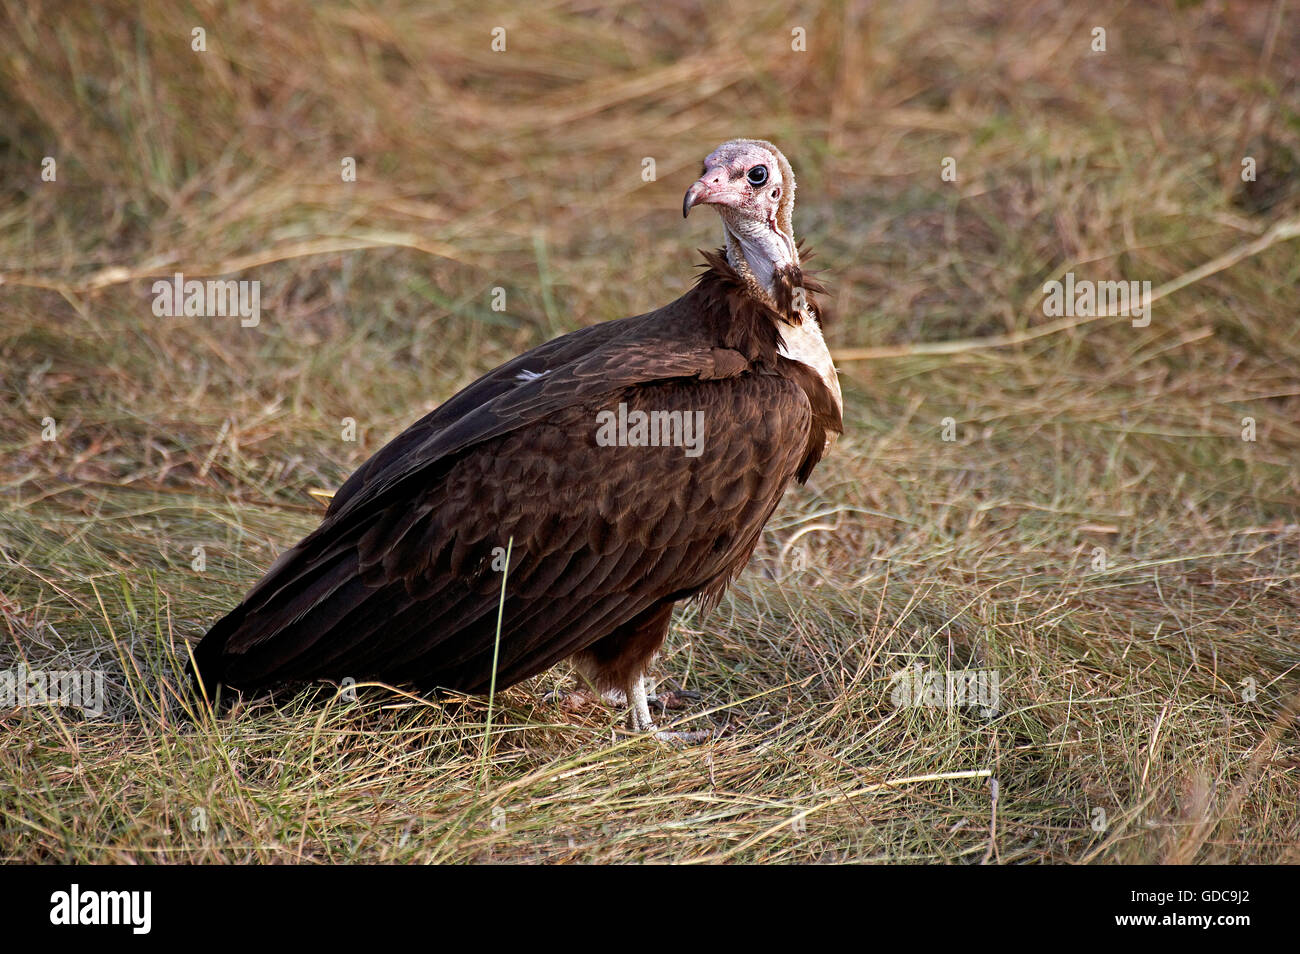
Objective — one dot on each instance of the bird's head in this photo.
(752, 185)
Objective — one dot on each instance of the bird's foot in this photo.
(580, 700)
(672, 699)
(640, 722)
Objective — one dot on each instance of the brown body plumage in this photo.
(398, 583)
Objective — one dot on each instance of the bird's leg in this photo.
(640, 721)
(639, 718)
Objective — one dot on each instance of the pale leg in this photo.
(640, 721)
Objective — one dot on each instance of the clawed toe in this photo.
(674, 699)
(571, 701)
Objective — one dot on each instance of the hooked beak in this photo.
(712, 188)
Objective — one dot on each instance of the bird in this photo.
(621, 469)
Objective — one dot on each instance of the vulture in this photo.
(624, 467)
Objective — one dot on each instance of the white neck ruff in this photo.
(762, 250)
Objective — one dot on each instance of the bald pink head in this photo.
(745, 175)
(751, 184)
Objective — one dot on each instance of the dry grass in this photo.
(1124, 688)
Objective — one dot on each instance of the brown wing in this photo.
(399, 584)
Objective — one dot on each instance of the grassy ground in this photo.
(1097, 531)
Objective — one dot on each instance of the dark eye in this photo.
(757, 176)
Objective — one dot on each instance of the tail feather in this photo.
(207, 669)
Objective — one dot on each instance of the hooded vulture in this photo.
(626, 466)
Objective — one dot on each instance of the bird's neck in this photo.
(757, 251)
